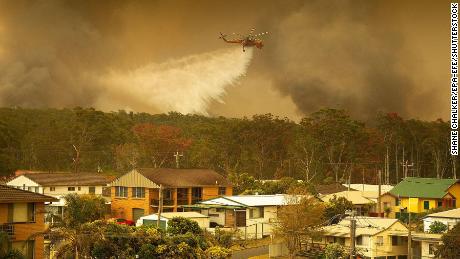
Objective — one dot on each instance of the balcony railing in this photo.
(8, 228)
(166, 202)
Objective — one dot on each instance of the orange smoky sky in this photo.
(362, 56)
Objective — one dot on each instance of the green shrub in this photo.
(438, 227)
(181, 226)
(218, 252)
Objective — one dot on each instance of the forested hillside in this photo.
(326, 145)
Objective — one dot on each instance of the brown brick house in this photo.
(21, 216)
(136, 193)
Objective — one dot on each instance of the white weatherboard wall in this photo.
(215, 216)
(23, 182)
(259, 227)
(449, 222)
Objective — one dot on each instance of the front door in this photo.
(137, 213)
(240, 218)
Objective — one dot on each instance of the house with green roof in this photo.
(417, 195)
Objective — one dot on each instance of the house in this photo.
(136, 193)
(375, 237)
(361, 204)
(21, 216)
(253, 215)
(416, 195)
(202, 220)
(450, 218)
(59, 184)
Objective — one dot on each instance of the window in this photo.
(79, 188)
(359, 240)
(431, 249)
(121, 191)
(386, 205)
(397, 202)
(92, 190)
(52, 189)
(21, 212)
(255, 213)
(29, 188)
(71, 189)
(222, 190)
(439, 204)
(197, 193)
(138, 192)
(454, 203)
(426, 205)
(379, 241)
(395, 241)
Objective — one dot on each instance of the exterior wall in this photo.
(259, 227)
(22, 231)
(23, 182)
(215, 216)
(122, 207)
(455, 191)
(425, 245)
(371, 249)
(391, 201)
(63, 190)
(449, 222)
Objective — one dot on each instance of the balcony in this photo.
(196, 199)
(166, 202)
(183, 201)
(7, 228)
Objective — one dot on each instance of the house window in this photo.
(79, 188)
(92, 190)
(121, 191)
(431, 249)
(379, 241)
(426, 205)
(255, 213)
(222, 190)
(52, 189)
(359, 240)
(197, 193)
(138, 192)
(439, 204)
(21, 212)
(397, 201)
(395, 241)
(454, 203)
(71, 189)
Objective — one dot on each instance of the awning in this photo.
(210, 206)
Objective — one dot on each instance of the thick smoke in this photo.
(362, 56)
(186, 85)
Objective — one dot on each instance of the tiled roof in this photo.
(184, 177)
(356, 197)
(254, 200)
(422, 187)
(69, 179)
(455, 213)
(10, 194)
(331, 188)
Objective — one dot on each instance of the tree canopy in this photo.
(327, 144)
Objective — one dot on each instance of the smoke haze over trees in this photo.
(362, 56)
(325, 146)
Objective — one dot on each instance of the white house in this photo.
(59, 184)
(253, 215)
(375, 237)
(202, 220)
(449, 218)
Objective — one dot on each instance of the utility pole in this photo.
(177, 155)
(352, 234)
(160, 204)
(406, 166)
(409, 237)
(379, 205)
